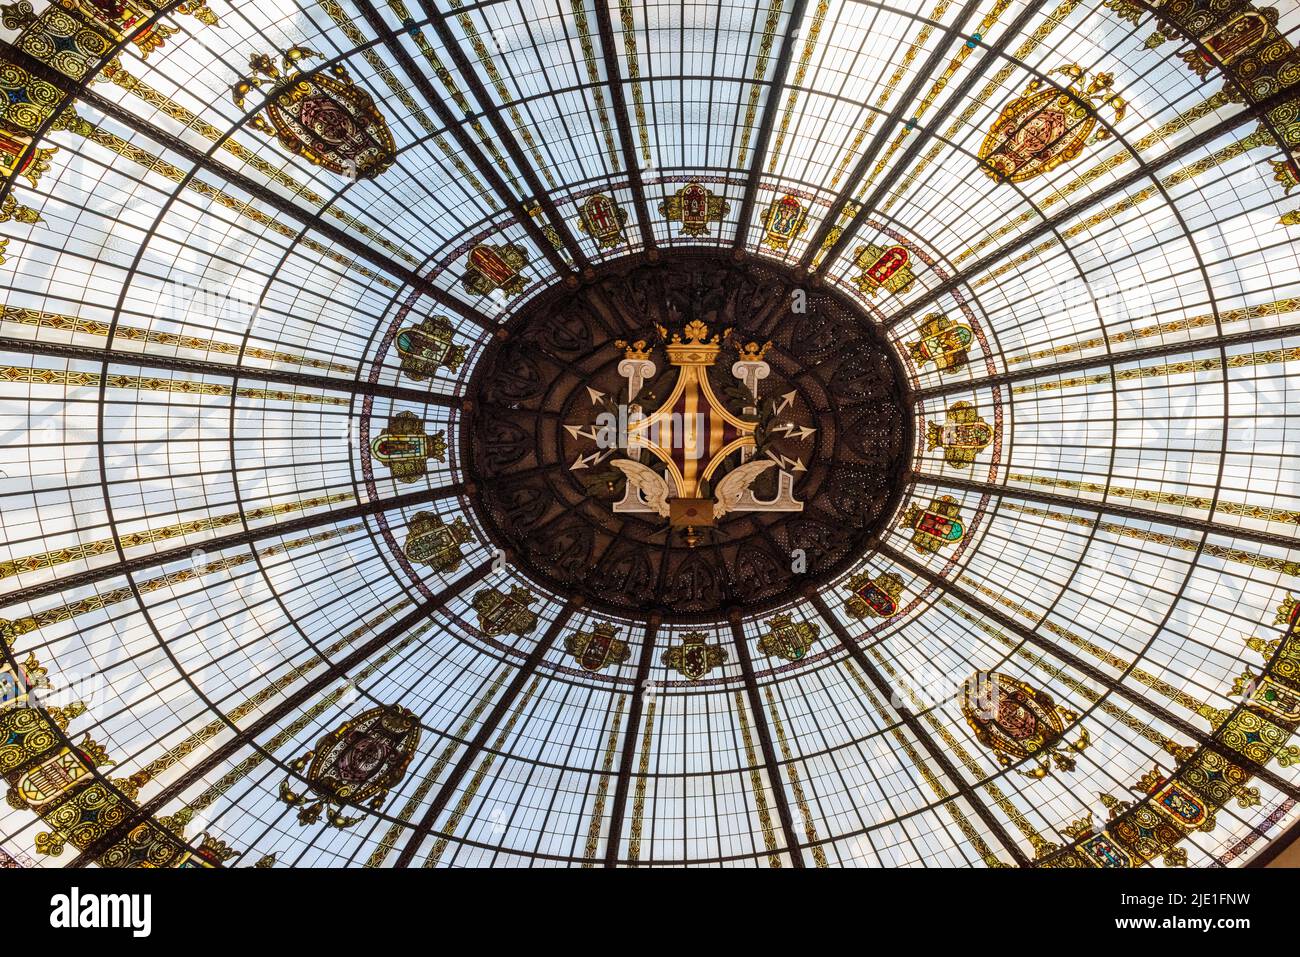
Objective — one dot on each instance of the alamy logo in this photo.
(74, 909)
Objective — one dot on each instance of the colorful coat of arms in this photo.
(505, 613)
(1015, 721)
(431, 541)
(425, 348)
(787, 638)
(603, 219)
(875, 597)
(491, 267)
(944, 342)
(783, 221)
(694, 657)
(405, 448)
(962, 436)
(1230, 41)
(694, 207)
(358, 762)
(323, 117)
(1047, 126)
(883, 267)
(598, 648)
(934, 527)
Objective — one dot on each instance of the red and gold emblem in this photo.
(1047, 126)
(783, 220)
(597, 649)
(962, 436)
(936, 526)
(944, 342)
(505, 613)
(323, 117)
(1232, 40)
(603, 219)
(491, 267)
(404, 447)
(357, 763)
(695, 207)
(1016, 721)
(694, 657)
(876, 597)
(883, 267)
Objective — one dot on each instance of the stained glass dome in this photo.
(772, 434)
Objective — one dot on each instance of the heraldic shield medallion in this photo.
(943, 342)
(357, 763)
(935, 526)
(489, 268)
(962, 436)
(404, 447)
(783, 220)
(694, 657)
(1046, 127)
(323, 117)
(425, 348)
(695, 207)
(505, 613)
(873, 597)
(1015, 721)
(883, 267)
(787, 638)
(603, 219)
(597, 649)
(431, 541)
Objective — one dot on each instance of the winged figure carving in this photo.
(643, 480)
(734, 485)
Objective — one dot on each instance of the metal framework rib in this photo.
(525, 167)
(924, 134)
(618, 809)
(765, 742)
(456, 127)
(184, 552)
(924, 75)
(485, 731)
(1202, 525)
(1116, 687)
(936, 753)
(614, 78)
(1114, 188)
(205, 161)
(770, 110)
(200, 367)
(1109, 360)
(274, 714)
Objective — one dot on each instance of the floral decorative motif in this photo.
(1048, 126)
(323, 117)
(358, 763)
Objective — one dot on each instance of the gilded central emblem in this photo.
(694, 458)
